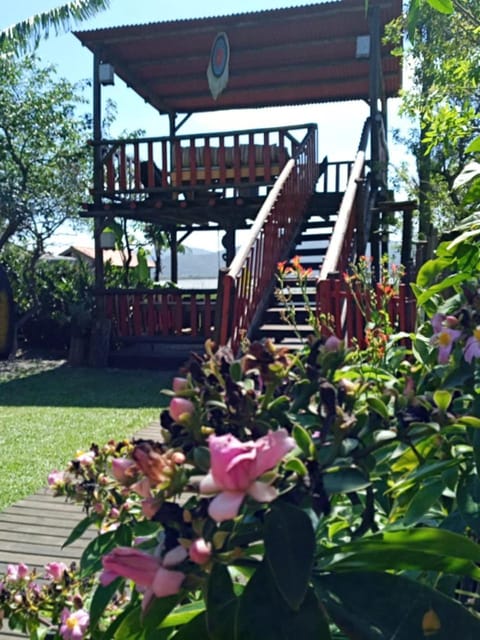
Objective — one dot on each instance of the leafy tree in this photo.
(63, 293)
(28, 32)
(43, 156)
(443, 98)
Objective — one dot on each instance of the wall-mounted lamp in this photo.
(363, 47)
(106, 73)
(107, 239)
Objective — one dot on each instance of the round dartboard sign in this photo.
(218, 64)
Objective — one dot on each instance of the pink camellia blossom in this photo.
(200, 551)
(235, 467)
(472, 347)
(444, 336)
(124, 470)
(152, 575)
(55, 570)
(73, 624)
(17, 571)
(180, 408)
(56, 478)
(179, 384)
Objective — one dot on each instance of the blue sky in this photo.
(339, 124)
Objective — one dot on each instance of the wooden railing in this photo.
(351, 214)
(245, 287)
(133, 168)
(160, 313)
(349, 240)
(344, 306)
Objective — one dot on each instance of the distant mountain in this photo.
(194, 263)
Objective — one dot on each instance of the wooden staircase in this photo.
(310, 246)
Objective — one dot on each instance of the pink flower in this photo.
(85, 459)
(472, 347)
(180, 408)
(55, 570)
(56, 478)
(332, 343)
(179, 384)
(200, 551)
(235, 467)
(123, 470)
(150, 506)
(151, 574)
(17, 571)
(73, 624)
(143, 488)
(444, 336)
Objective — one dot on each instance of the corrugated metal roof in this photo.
(296, 55)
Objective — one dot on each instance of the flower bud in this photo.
(179, 384)
(200, 551)
(180, 408)
(123, 470)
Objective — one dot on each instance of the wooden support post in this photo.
(228, 241)
(100, 338)
(173, 255)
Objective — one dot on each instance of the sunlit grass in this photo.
(47, 416)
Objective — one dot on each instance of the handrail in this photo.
(244, 288)
(210, 134)
(265, 210)
(339, 248)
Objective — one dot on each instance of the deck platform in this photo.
(33, 530)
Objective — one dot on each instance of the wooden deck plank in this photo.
(34, 529)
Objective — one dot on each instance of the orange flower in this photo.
(296, 262)
(281, 266)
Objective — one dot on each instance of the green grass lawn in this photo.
(46, 415)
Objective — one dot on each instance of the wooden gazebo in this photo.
(262, 178)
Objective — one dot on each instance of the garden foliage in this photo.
(326, 493)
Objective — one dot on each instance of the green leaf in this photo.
(469, 421)
(345, 480)
(446, 283)
(262, 614)
(421, 549)
(78, 531)
(377, 405)
(303, 440)
(289, 560)
(91, 560)
(157, 611)
(131, 626)
(473, 146)
(429, 271)
(377, 606)
(196, 629)
(443, 6)
(442, 399)
(100, 600)
(201, 458)
(422, 472)
(221, 604)
(297, 466)
(423, 499)
(468, 498)
(236, 372)
(183, 614)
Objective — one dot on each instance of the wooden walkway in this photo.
(33, 530)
